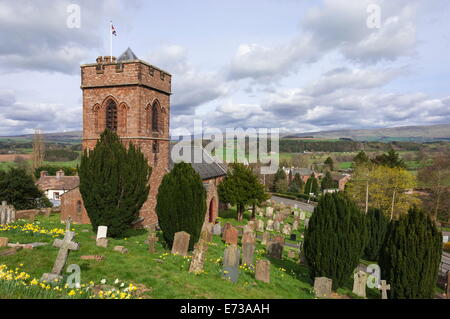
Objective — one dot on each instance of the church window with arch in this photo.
(111, 116)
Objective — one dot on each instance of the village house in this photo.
(55, 186)
(341, 180)
(304, 173)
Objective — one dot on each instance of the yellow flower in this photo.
(72, 293)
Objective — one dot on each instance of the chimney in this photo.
(59, 173)
(44, 173)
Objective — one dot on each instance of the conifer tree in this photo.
(411, 256)
(312, 186)
(377, 225)
(113, 183)
(181, 203)
(335, 238)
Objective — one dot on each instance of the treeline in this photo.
(300, 146)
(60, 155)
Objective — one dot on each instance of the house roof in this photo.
(302, 171)
(58, 183)
(338, 177)
(128, 55)
(203, 163)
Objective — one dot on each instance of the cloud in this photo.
(35, 34)
(190, 86)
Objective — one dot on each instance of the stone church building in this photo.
(132, 98)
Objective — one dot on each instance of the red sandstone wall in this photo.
(70, 207)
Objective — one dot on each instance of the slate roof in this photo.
(128, 55)
(208, 167)
(55, 183)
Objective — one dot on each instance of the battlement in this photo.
(110, 71)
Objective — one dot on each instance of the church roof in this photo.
(128, 55)
(207, 167)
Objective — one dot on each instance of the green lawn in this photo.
(165, 275)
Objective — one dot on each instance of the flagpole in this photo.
(110, 39)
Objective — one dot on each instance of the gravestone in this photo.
(287, 229)
(231, 236)
(302, 215)
(360, 283)
(102, 242)
(276, 226)
(265, 238)
(102, 232)
(296, 213)
(7, 214)
(252, 225)
(279, 239)
(152, 239)
(225, 229)
(260, 226)
(180, 244)
(295, 225)
(121, 249)
(199, 255)
(262, 271)
(269, 212)
(275, 250)
(291, 254)
(231, 263)
(92, 257)
(248, 236)
(10, 251)
(269, 225)
(65, 245)
(217, 230)
(248, 253)
(206, 233)
(4, 241)
(384, 288)
(322, 287)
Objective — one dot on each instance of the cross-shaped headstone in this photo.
(384, 288)
(64, 245)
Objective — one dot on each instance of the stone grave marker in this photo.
(121, 249)
(269, 212)
(302, 215)
(265, 238)
(102, 242)
(225, 229)
(384, 288)
(199, 255)
(248, 253)
(360, 283)
(152, 239)
(279, 239)
(102, 232)
(260, 225)
(287, 229)
(10, 251)
(322, 287)
(92, 257)
(291, 254)
(4, 241)
(231, 259)
(269, 225)
(217, 230)
(206, 233)
(65, 245)
(306, 223)
(275, 250)
(180, 244)
(276, 226)
(7, 214)
(295, 225)
(231, 236)
(262, 271)
(249, 236)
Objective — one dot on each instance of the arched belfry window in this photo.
(155, 117)
(111, 116)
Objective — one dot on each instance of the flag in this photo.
(113, 30)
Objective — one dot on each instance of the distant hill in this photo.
(65, 137)
(403, 133)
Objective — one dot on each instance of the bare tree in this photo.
(38, 149)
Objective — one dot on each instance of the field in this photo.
(162, 275)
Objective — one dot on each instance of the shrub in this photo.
(181, 203)
(113, 183)
(411, 256)
(335, 238)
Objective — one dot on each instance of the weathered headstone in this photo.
(384, 288)
(231, 259)
(102, 242)
(269, 212)
(279, 239)
(260, 225)
(322, 287)
(181, 243)
(306, 223)
(65, 245)
(275, 250)
(152, 239)
(292, 254)
(4, 241)
(252, 225)
(7, 214)
(287, 229)
(276, 226)
(199, 255)
(295, 225)
(302, 215)
(249, 236)
(102, 232)
(231, 236)
(248, 253)
(225, 229)
(92, 257)
(265, 238)
(217, 230)
(121, 249)
(360, 283)
(269, 225)
(262, 271)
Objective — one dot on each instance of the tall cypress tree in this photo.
(181, 203)
(335, 238)
(377, 226)
(311, 186)
(113, 183)
(411, 256)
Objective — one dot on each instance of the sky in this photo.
(300, 66)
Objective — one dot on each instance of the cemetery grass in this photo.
(159, 275)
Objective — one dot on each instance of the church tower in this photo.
(132, 98)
